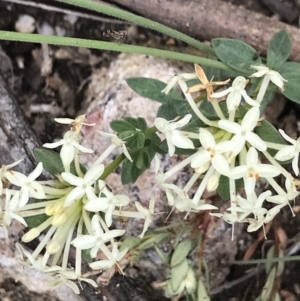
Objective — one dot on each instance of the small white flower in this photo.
(244, 131)
(116, 256)
(251, 205)
(173, 136)
(170, 189)
(273, 75)
(117, 142)
(107, 202)
(235, 94)
(83, 185)
(11, 211)
(98, 240)
(183, 204)
(69, 143)
(253, 170)
(174, 80)
(4, 170)
(211, 151)
(147, 214)
(286, 197)
(289, 151)
(76, 123)
(67, 277)
(29, 187)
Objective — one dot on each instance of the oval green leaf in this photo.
(291, 72)
(178, 273)
(279, 49)
(181, 252)
(235, 53)
(151, 88)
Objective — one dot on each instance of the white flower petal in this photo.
(230, 126)
(94, 173)
(67, 154)
(256, 141)
(295, 164)
(206, 138)
(36, 173)
(221, 93)
(286, 137)
(84, 242)
(181, 141)
(286, 153)
(75, 194)
(250, 119)
(220, 164)
(72, 179)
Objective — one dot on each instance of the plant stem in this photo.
(111, 46)
(116, 12)
(112, 166)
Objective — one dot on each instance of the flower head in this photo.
(211, 151)
(244, 131)
(253, 170)
(235, 94)
(173, 136)
(96, 240)
(69, 143)
(76, 123)
(289, 151)
(83, 185)
(29, 187)
(205, 83)
(147, 214)
(273, 75)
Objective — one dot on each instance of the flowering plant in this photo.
(227, 144)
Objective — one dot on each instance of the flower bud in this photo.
(213, 182)
(49, 210)
(59, 219)
(31, 235)
(203, 168)
(53, 247)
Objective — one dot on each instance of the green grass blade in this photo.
(118, 13)
(111, 46)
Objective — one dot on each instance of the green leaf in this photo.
(130, 242)
(120, 126)
(201, 292)
(132, 170)
(267, 132)
(291, 72)
(279, 49)
(50, 159)
(142, 123)
(178, 273)
(35, 220)
(133, 121)
(151, 88)
(223, 188)
(139, 163)
(235, 53)
(172, 109)
(155, 239)
(181, 252)
(140, 139)
(53, 163)
(86, 255)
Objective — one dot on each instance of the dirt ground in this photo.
(60, 91)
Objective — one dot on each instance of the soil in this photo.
(60, 90)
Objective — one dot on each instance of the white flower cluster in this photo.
(79, 205)
(229, 147)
